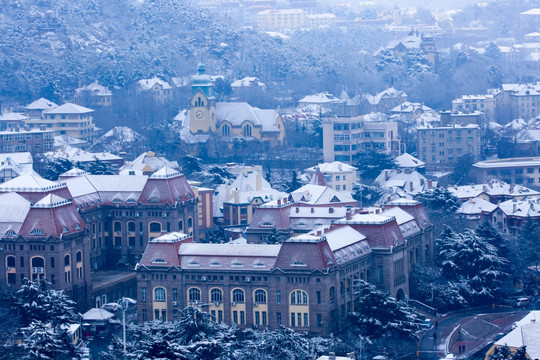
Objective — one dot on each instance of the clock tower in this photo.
(202, 114)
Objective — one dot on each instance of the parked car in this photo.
(111, 307)
(522, 302)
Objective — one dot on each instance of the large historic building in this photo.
(64, 230)
(305, 283)
(229, 119)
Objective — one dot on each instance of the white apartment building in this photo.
(473, 103)
(338, 175)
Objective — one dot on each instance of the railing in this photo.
(421, 306)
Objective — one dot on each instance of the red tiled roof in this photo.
(302, 255)
(166, 190)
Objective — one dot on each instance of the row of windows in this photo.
(297, 297)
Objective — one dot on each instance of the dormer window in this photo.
(65, 230)
(131, 201)
(10, 233)
(298, 263)
(335, 199)
(37, 232)
(259, 264)
(237, 264)
(116, 201)
(266, 224)
(158, 261)
(78, 227)
(215, 264)
(193, 263)
(154, 199)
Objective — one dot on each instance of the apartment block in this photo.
(344, 138)
(442, 147)
(472, 103)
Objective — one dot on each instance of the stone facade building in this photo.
(305, 283)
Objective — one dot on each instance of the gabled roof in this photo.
(69, 108)
(320, 195)
(96, 89)
(320, 98)
(406, 160)
(150, 162)
(237, 112)
(332, 167)
(11, 116)
(30, 183)
(13, 211)
(388, 93)
(147, 84)
(522, 208)
(51, 201)
(96, 314)
(476, 206)
(247, 81)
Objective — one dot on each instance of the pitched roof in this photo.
(332, 167)
(476, 206)
(237, 112)
(30, 183)
(96, 89)
(147, 84)
(406, 160)
(41, 104)
(320, 98)
(319, 195)
(69, 108)
(247, 81)
(11, 116)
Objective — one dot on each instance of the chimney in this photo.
(351, 355)
(348, 215)
(429, 184)
(312, 210)
(533, 321)
(514, 208)
(386, 175)
(297, 209)
(279, 202)
(331, 210)
(284, 200)
(411, 186)
(332, 356)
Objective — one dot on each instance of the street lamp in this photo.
(124, 305)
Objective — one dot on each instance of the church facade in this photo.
(229, 119)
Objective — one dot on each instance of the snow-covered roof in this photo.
(30, 183)
(96, 314)
(342, 237)
(149, 162)
(318, 195)
(534, 11)
(63, 140)
(12, 116)
(237, 112)
(41, 104)
(526, 333)
(409, 181)
(410, 107)
(171, 237)
(69, 108)
(147, 84)
(76, 155)
(335, 167)
(476, 206)
(320, 98)
(366, 219)
(247, 81)
(406, 160)
(74, 172)
(96, 89)
(492, 188)
(200, 249)
(388, 93)
(13, 211)
(508, 163)
(51, 201)
(521, 208)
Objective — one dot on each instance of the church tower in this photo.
(202, 112)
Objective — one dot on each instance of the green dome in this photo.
(202, 81)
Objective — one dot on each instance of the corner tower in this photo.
(202, 112)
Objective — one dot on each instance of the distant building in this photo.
(248, 88)
(518, 101)
(386, 100)
(476, 210)
(442, 147)
(34, 110)
(472, 103)
(494, 191)
(344, 138)
(156, 88)
(12, 121)
(35, 141)
(407, 161)
(228, 119)
(511, 215)
(69, 119)
(278, 19)
(513, 170)
(529, 20)
(83, 157)
(339, 176)
(321, 103)
(15, 164)
(450, 118)
(416, 41)
(146, 164)
(402, 183)
(93, 95)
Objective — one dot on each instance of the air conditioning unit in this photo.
(175, 303)
(118, 232)
(8, 268)
(255, 304)
(234, 303)
(164, 215)
(248, 279)
(216, 303)
(140, 232)
(203, 278)
(136, 214)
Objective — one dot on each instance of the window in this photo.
(10, 261)
(247, 130)
(78, 256)
(260, 296)
(278, 296)
(216, 295)
(238, 295)
(66, 260)
(143, 293)
(226, 130)
(175, 295)
(278, 318)
(159, 294)
(194, 295)
(299, 297)
(155, 227)
(190, 222)
(144, 315)
(318, 297)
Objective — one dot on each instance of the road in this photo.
(435, 348)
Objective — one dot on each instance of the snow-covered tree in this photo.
(474, 264)
(439, 199)
(275, 237)
(370, 162)
(216, 234)
(36, 302)
(53, 168)
(367, 195)
(99, 167)
(378, 314)
(294, 183)
(430, 287)
(190, 164)
(47, 342)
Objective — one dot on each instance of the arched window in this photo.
(38, 268)
(159, 294)
(247, 130)
(10, 261)
(78, 256)
(189, 222)
(299, 297)
(155, 227)
(238, 296)
(260, 296)
(117, 226)
(194, 295)
(226, 130)
(216, 295)
(180, 225)
(66, 260)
